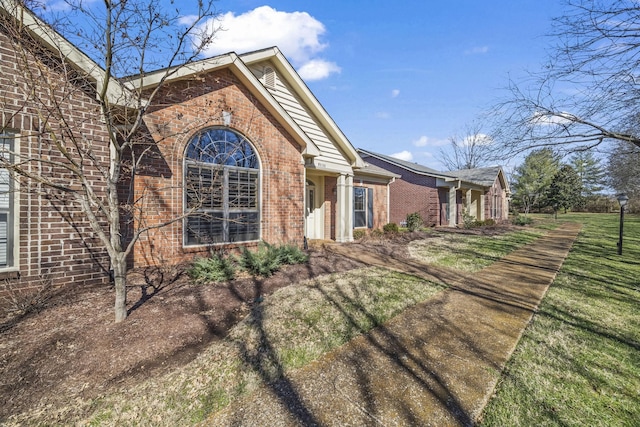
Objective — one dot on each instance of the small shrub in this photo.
(269, 258)
(390, 228)
(414, 221)
(216, 268)
(359, 234)
(489, 222)
(376, 232)
(291, 255)
(263, 262)
(470, 221)
(23, 301)
(522, 220)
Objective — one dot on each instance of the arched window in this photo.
(221, 177)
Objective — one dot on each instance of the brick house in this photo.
(237, 148)
(295, 173)
(441, 197)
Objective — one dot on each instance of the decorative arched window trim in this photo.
(221, 188)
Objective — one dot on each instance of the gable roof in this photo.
(483, 176)
(293, 79)
(410, 166)
(53, 41)
(239, 69)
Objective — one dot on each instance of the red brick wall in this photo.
(56, 243)
(496, 189)
(411, 193)
(182, 109)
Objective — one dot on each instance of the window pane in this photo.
(222, 185)
(359, 199)
(203, 229)
(6, 208)
(359, 207)
(204, 187)
(244, 226)
(243, 189)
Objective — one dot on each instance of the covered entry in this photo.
(314, 208)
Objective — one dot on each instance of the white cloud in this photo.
(383, 115)
(317, 69)
(296, 34)
(395, 93)
(548, 119)
(187, 19)
(425, 141)
(477, 50)
(403, 155)
(477, 139)
(421, 142)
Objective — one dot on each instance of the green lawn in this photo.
(578, 363)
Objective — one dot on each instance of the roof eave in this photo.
(239, 69)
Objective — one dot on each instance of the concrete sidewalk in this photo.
(436, 364)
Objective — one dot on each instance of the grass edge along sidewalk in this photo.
(435, 364)
(578, 362)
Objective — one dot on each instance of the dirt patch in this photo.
(71, 348)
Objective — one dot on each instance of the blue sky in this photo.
(400, 77)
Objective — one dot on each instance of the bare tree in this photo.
(588, 92)
(85, 164)
(470, 150)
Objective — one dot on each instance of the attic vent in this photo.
(269, 78)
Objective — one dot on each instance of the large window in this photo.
(362, 207)
(7, 215)
(221, 189)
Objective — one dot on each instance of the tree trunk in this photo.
(120, 281)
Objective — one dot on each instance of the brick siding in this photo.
(56, 243)
(179, 111)
(411, 193)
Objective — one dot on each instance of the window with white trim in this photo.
(222, 185)
(362, 207)
(7, 208)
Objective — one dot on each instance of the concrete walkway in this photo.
(436, 364)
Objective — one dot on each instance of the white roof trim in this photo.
(302, 90)
(52, 40)
(240, 70)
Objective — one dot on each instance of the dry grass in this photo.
(290, 328)
(469, 253)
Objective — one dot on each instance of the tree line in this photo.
(548, 181)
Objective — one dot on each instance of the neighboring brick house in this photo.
(441, 197)
(42, 239)
(237, 148)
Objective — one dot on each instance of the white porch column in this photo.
(482, 197)
(468, 203)
(453, 207)
(344, 209)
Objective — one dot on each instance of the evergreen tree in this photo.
(533, 177)
(590, 171)
(565, 190)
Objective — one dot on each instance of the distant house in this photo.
(236, 146)
(441, 197)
